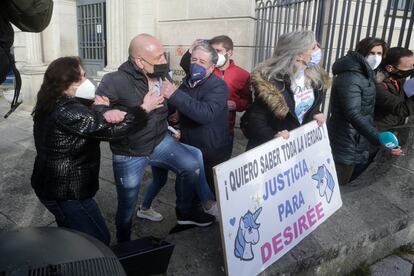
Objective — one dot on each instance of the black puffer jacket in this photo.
(350, 125)
(127, 87)
(273, 110)
(67, 145)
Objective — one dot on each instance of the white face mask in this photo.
(221, 60)
(373, 61)
(86, 90)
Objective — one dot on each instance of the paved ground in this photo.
(19, 206)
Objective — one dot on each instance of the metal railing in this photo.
(400, 5)
(338, 25)
(277, 17)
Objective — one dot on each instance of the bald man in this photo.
(141, 74)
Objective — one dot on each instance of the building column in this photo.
(34, 68)
(116, 46)
(34, 50)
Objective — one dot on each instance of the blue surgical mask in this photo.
(197, 72)
(315, 58)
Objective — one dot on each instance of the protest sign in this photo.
(273, 196)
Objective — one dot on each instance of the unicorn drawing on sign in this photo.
(326, 182)
(247, 235)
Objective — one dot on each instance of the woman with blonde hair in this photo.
(288, 89)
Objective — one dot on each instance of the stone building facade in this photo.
(177, 23)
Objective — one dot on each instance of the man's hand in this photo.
(174, 118)
(320, 118)
(177, 135)
(101, 100)
(114, 116)
(231, 105)
(195, 43)
(167, 89)
(284, 133)
(152, 101)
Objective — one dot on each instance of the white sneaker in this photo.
(213, 211)
(150, 214)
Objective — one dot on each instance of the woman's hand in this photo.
(397, 151)
(284, 133)
(101, 100)
(114, 116)
(320, 118)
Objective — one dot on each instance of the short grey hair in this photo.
(206, 47)
(282, 63)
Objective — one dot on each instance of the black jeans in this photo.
(344, 173)
(80, 215)
(210, 162)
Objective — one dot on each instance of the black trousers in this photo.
(344, 173)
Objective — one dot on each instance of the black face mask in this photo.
(401, 74)
(160, 71)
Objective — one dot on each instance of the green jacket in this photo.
(392, 106)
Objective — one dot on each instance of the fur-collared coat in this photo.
(273, 110)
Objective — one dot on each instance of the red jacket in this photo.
(237, 80)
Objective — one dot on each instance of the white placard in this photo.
(273, 196)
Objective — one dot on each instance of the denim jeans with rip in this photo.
(169, 154)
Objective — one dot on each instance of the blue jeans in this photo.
(169, 154)
(160, 177)
(81, 215)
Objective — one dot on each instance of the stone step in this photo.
(376, 217)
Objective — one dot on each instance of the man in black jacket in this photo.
(152, 145)
(392, 106)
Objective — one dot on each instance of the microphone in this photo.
(388, 139)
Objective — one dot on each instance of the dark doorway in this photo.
(91, 15)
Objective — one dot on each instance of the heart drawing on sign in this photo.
(233, 221)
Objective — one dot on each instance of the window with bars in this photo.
(401, 4)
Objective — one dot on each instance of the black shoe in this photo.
(195, 218)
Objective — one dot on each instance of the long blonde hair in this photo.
(283, 61)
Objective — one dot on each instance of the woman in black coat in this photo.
(67, 134)
(288, 89)
(350, 125)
